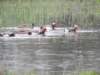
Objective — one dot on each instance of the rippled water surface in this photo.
(52, 56)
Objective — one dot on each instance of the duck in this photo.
(11, 35)
(1, 35)
(74, 28)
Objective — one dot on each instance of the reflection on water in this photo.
(52, 56)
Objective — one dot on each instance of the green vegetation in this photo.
(32, 72)
(82, 12)
(89, 73)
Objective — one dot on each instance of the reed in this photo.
(82, 12)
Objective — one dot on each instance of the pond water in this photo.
(52, 56)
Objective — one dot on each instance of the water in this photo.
(52, 56)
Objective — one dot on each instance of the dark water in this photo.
(52, 56)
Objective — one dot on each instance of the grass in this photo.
(9, 72)
(15, 12)
(39, 12)
(89, 73)
(32, 72)
(98, 1)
